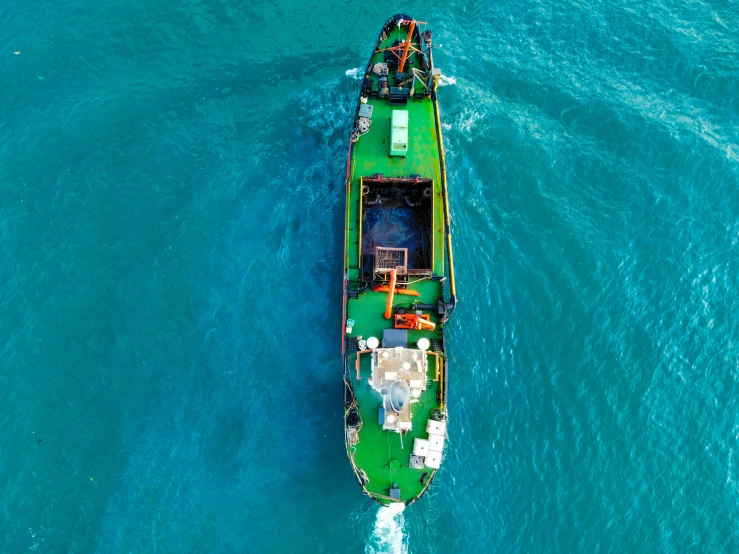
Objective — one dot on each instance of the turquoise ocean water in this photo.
(170, 282)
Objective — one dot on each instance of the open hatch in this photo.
(397, 226)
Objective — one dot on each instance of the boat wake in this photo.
(388, 536)
(446, 80)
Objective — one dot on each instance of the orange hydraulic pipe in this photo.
(422, 324)
(407, 45)
(407, 292)
(390, 295)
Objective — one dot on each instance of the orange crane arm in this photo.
(407, 45)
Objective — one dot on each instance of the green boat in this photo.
(399, 289)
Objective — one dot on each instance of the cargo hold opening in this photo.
(398, 213)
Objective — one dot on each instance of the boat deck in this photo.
(383, 455)
(370, 156)
(376, 447)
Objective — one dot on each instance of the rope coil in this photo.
(363, 125)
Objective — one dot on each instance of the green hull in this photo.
(396, 200)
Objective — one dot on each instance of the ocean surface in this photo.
(171, 203)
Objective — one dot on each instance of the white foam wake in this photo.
(446, 80)
(355, 73)
(389, 536)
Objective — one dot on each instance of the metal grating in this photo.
(351, 345)
(391, 258)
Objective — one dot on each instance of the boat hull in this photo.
(397, 208)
